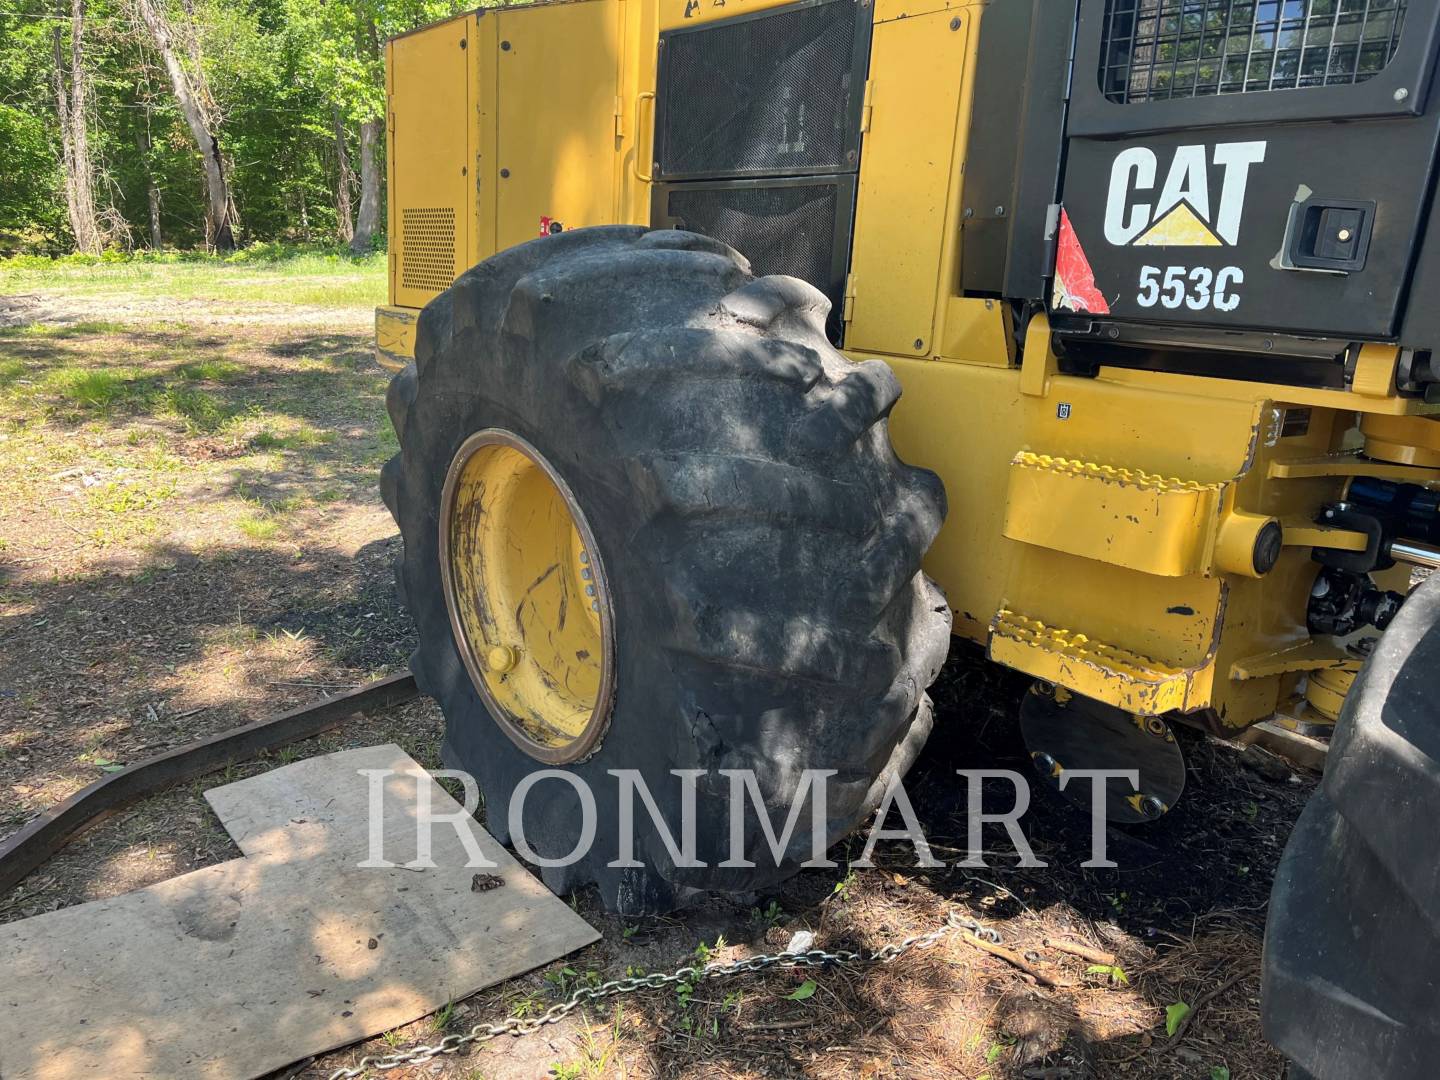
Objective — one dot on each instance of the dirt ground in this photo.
(190, 538)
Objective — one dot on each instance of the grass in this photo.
(120, 435)
(212, 371)
(310, 277)
(200, 412)
(99, 389)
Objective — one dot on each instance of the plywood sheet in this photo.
(239, 969)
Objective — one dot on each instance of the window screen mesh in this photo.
(786, 229)
(767, 95)
(1155, 50)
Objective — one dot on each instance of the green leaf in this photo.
(1219, 1072)
(802, 992)
(1114, 972)
(112, 768)
(1175, 1015)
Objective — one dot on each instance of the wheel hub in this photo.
(527, 597)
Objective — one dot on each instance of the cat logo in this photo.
(1181, 214)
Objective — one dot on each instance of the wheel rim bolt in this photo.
(500, 658)
(589, 590)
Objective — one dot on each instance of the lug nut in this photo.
(500, 658)
(1152, 807)
(1046, 764)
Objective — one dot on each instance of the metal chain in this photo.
(517, 1026)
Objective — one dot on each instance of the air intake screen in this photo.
(796, 227)
(1155, 50)
(776, 93)
(428, 257)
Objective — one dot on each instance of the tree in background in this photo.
(192, 94)
(70, 107)
(343, 37)
(261, 117)
(344, 223)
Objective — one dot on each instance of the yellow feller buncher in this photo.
(1160, 281)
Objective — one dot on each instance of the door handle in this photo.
(643, 177)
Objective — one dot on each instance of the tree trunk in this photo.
(369, 216)
(217, 217)
(74, 136)
(152, 190)
(344, 221)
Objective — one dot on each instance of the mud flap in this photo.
(1352, 945)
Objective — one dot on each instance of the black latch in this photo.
(1331, 234)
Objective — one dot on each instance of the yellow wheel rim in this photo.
(526, 593)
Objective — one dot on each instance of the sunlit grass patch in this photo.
(98, 389)
(119, 497)
(85, 328)
(298, 436)
(257, 527)
(272, 274)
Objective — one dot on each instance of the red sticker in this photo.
(1074, 280)
(544, 226)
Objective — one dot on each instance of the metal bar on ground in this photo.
(41, 838)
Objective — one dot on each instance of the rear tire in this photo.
(761, 541)
(1352, 942)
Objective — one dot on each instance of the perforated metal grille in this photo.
(781, 230)
(1161, 49)
(762, 95)
(428, 256)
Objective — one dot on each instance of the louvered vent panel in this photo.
(428, 258)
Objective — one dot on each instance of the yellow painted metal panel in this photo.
(1203, 387)
(395, 336)
(976, 331)
(558, 72)
(1309, 655)
(430, 120)
(1349, 464)
(1107, 673)
(484, 46)
(889, 10)
(635, 122)
(963, 421)
(1128, 517)
(906, 170)
(677, 13)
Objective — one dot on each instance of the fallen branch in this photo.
(1016, 960)
(1085, 952)
(780, 1025)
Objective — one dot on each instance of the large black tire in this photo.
(1352, 945)
(761, 539)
